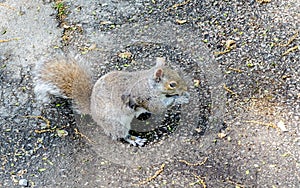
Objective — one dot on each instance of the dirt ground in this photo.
(239, 58)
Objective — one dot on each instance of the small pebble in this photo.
(23, 182)
(282, 126)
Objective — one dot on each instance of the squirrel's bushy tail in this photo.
(64, 78)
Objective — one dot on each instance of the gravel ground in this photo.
(241, 128)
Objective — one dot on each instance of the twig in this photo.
(40, 117)
(47, 125)
(82, 135)
(7, 6)
(178, 5)
(290, 40)
(193, 164)
(154, 176)
(262, 123)
(291, 50)
(229, 90)
(236, 184)
(263, 1)
(44, 131)
(8, 40)
(200, 180)
(236, 70)
(222, 52)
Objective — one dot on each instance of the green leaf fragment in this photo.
(42, 169)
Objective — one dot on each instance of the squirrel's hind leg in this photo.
(118, 130)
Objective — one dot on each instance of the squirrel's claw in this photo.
(140, 141)
(135, 140)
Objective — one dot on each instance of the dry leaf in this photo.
(196, 83)
(125, 55)
(222, 135)
(181, 21)
(230, 44)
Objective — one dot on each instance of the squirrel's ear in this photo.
(158, 75)
(160, 61)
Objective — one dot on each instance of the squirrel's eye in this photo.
(173, 84)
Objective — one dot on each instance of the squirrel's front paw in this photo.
(168, 101)
(135, 140)
(184, 99)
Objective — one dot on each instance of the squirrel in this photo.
(117, 97)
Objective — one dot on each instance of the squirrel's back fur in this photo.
(64, 78)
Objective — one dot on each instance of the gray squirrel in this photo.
(117, 97)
